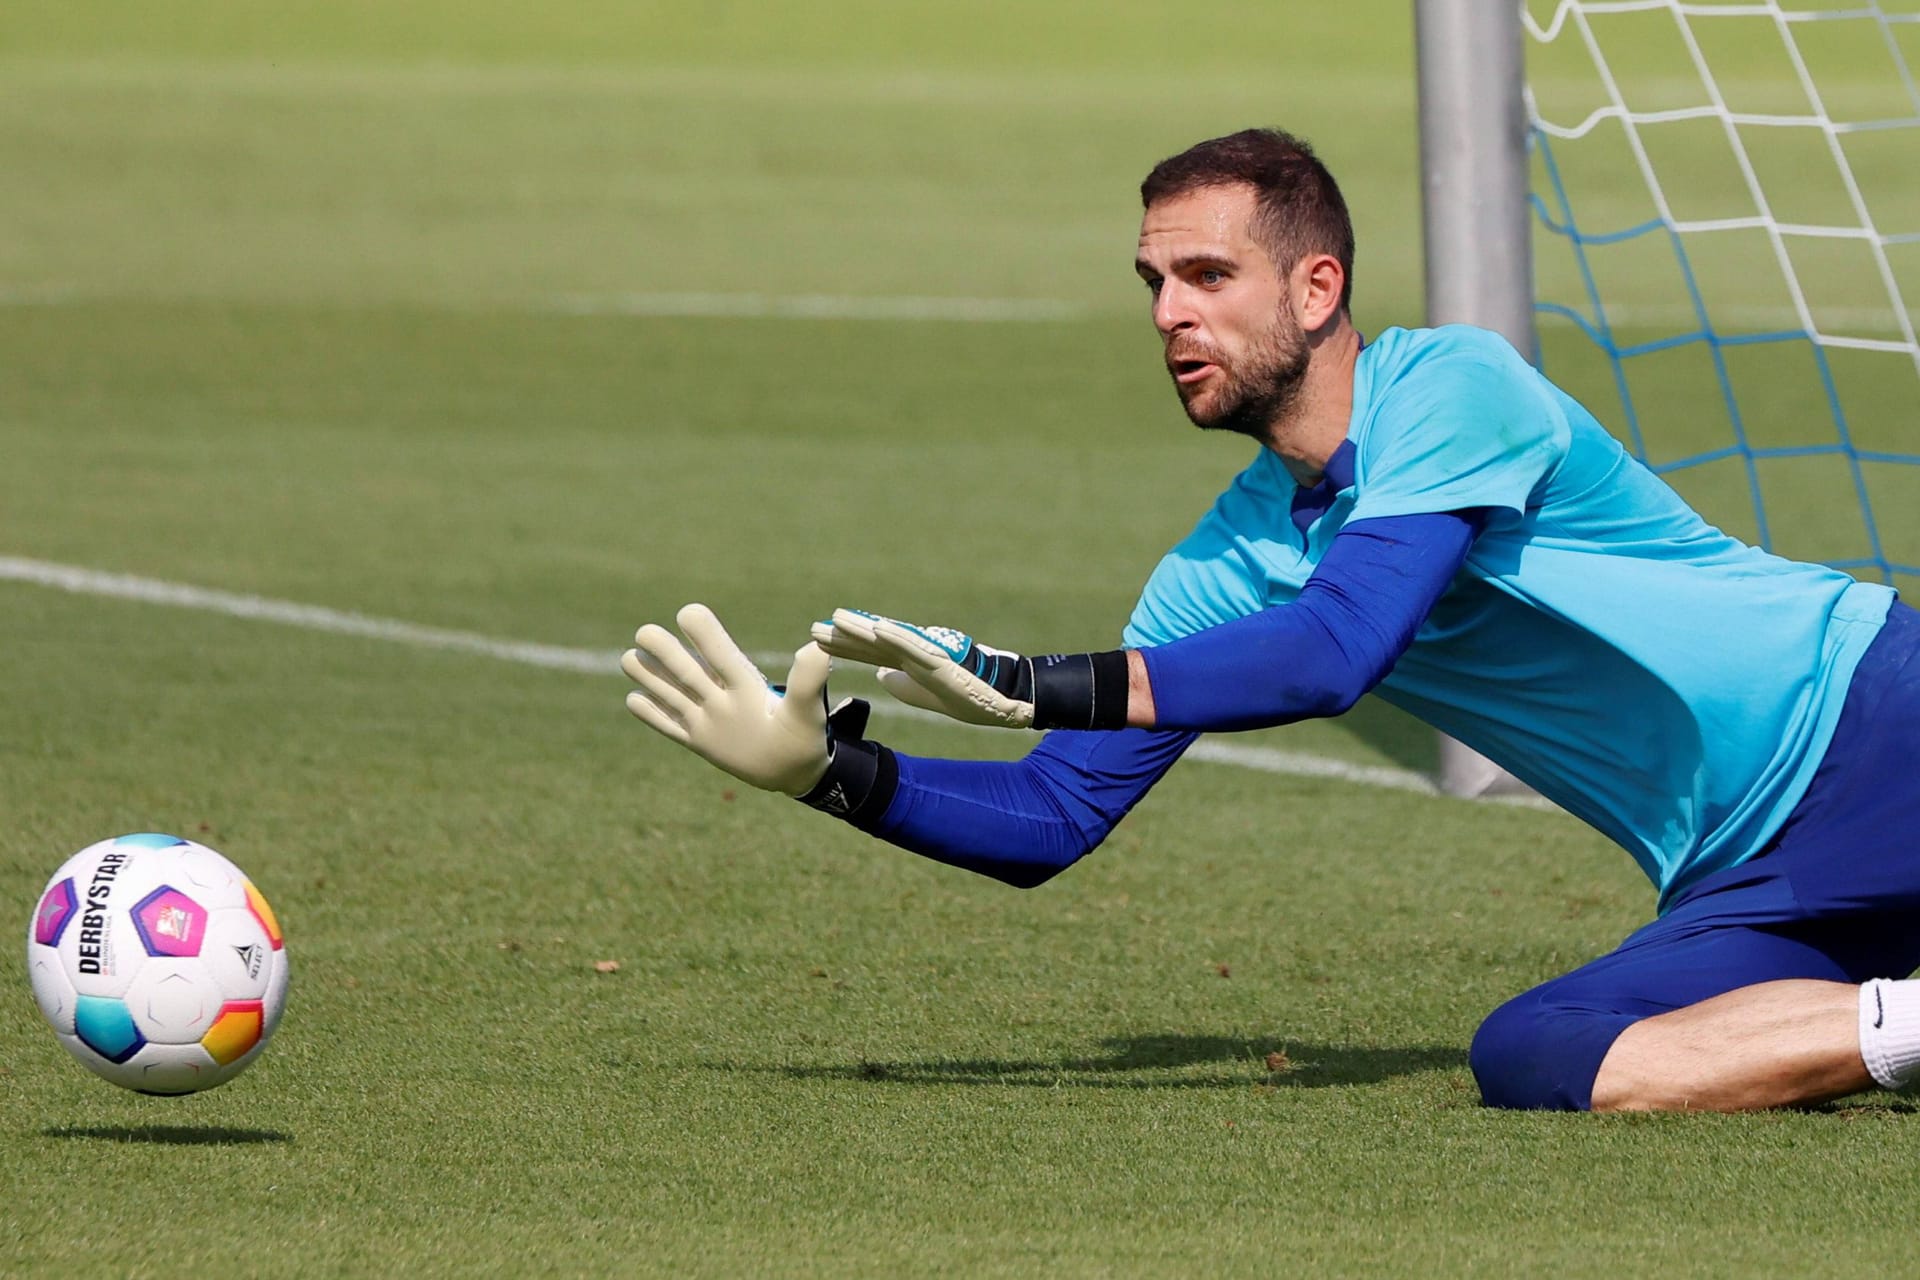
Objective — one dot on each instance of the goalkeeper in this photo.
(1428, 518)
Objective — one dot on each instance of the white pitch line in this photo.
(600, 662)
(309, 617)
(1298, 764)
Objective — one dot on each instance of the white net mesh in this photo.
(1728, 256)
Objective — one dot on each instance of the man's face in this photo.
(1234, 347)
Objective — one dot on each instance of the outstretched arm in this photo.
(1316, 656)
(1020, 821)
(1024, 821)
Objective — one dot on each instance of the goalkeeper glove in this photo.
(709, 697)
(940, 669)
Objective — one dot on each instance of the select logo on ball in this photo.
(249, 959)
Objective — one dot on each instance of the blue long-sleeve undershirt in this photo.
(1024, 821)
(1356, 615)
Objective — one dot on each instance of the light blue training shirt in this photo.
(1647, 672)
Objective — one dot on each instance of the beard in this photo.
(1254, 394)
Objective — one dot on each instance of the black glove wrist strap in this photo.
(858, 785)
(1080, 690)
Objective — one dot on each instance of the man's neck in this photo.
(1317, 421)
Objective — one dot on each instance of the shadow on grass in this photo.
(1874, 1106)
(1164, 1062)
(171, 1135)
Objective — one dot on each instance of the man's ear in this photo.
(1317, 281)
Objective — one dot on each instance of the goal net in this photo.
(1726, 202)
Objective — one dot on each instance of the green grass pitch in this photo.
(341, 303)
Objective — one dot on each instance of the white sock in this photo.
(1890, 1030)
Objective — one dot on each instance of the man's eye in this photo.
(1210, 277)
(1153, 287)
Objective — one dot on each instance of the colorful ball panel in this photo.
(170, 923)
(57, 907)
(147, 840)
(105, 1025)
(268, 921)
(235, 1031)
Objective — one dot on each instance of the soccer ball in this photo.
(158, 963)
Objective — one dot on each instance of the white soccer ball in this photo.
(158, 963)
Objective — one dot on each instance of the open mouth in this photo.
(1190, 371)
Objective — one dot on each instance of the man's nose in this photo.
(1173, 309)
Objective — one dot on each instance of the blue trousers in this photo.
(1834, 895)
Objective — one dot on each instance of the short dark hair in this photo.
(1300, 210)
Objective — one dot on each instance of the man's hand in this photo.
(935, 668)
(707, 695)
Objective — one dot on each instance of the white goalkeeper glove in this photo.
(709, 697)
(934, 668)
(941, 669)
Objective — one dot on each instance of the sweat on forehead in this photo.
(1223, 214)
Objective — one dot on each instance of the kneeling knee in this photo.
(1502, 1048)
(1533, 1055)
